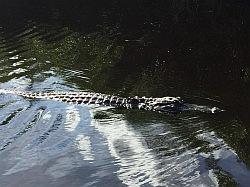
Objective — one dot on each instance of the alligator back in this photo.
(163, 104)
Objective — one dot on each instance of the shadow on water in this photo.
(196, 50)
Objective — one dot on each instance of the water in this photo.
(196, 50)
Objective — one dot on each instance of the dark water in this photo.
(198, 50)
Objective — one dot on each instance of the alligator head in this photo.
(161, 104)
(167, 104)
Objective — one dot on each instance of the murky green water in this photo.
(196, 50)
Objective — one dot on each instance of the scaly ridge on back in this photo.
(162, 104)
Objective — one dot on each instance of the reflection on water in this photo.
(197, 50)
(137, 164)
(59, 142)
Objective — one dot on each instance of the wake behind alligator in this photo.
(158, 104)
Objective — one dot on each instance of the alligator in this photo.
(158, 104)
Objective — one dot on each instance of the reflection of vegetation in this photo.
(172, 45)
(236, 135)
(98, 54)
(62, 52)
(224, 178)
(92, 54)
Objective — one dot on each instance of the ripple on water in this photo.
(64, 141)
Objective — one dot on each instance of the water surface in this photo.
(196, 50)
